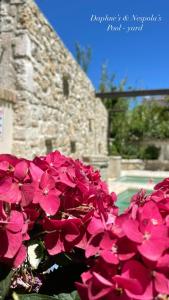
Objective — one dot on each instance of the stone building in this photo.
(46, 101)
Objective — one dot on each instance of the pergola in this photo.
(127, 94)
(134, 93)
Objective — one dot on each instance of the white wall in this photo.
(6, 123)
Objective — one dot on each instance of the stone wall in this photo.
(139, 164)
(132, 164)
(56, 106)
(157, 165)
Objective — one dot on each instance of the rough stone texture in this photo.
(114, 167)
(157, 165)
(55, 104)
(7, 96)
(132, 164)
(138, 164)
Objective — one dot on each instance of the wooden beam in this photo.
(135, 93)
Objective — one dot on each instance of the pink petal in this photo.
(102, 280)
(4, 165)
(13, 160)
(36, 172)
(14, 243)
(130, 228)
(163, 263)
(159, 231)
(55, 159)
(117, 228)
(99, 287)
(86, 276)
(3, 214)
(72, 231)
(82, 290)
(126, 248)
(132, 285)
(147, 295)
(82, 244)
(53, 243)
(5, 184)
(150, 250)
(47, 181)
(158, 196)
(161, 283)
(64, 178)
(151, 212)
(135, 279)
(110, 257)
(27, 192)
(95, 225)
(13, 195)
(107, 241)
(16, 221)
(21, 170)
(50, 203)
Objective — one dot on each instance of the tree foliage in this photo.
(83, 56)
(118, 109)
(130, 126)
(150, 120)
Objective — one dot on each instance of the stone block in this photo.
(24, 80)
(114, 167)
(22, 47)
(4, 9)
(7, 24)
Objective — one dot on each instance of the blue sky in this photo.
(141, 56)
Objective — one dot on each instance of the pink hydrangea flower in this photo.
(61, 235)
(12, 234)
(46, 195)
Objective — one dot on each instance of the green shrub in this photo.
(150, 152)
(113, 149)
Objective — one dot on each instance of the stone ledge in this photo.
(17, 1)
(7, 95)
(95, 159)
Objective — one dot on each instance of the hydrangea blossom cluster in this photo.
(62, 197)
(132, 253)
(63, 204)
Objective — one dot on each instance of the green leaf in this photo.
(5, 285)
(32, 297)
(73, 296)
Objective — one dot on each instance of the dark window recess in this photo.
(103, 129)
(73, 146)
(99, 148)
(49, 146)
(66, 86)
(90, 125)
